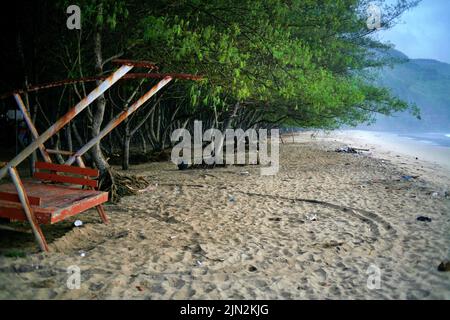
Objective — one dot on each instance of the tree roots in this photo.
(121, 185)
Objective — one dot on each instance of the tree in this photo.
(301, 63)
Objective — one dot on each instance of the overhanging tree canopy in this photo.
(300, 63)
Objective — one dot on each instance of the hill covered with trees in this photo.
(423, 82)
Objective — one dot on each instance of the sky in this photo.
(423, 32)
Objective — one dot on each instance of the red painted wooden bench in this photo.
(55, 197)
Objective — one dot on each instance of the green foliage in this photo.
(305, 61)
(106, 13)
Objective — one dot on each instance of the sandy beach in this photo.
(311, 232)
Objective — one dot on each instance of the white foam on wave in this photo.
(426, 141)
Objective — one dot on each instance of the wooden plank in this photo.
(27, 209)
(13, 197)
(63, 152)
(80, 206)
(58, 202)
(65, 119)
(53, 196)
(66, 168)
(17, 213)
(29, 122)
(65, 179)
(60, 212)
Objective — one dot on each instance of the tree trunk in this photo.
(126, 147)
(144, 143)
(126, 152)
(227, 125)
(69, 137)
(97, 154)
(77, 135)
(110, 136)
(58, 147)
(34, 154)
(33, 157)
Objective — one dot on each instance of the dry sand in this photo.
(229, 233)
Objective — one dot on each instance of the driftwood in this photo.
(350, 150)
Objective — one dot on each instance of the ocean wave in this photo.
(448, 135)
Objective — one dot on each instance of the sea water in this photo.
(431, 138)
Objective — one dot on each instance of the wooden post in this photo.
(31, 126)
(27, 209)
(72, 113)
(102, 214)
(118, 119)
(80, 162)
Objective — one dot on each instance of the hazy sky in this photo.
(424, 31)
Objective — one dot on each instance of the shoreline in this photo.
(404, 152)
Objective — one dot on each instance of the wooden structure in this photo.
(54, 193)
(48, 203)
